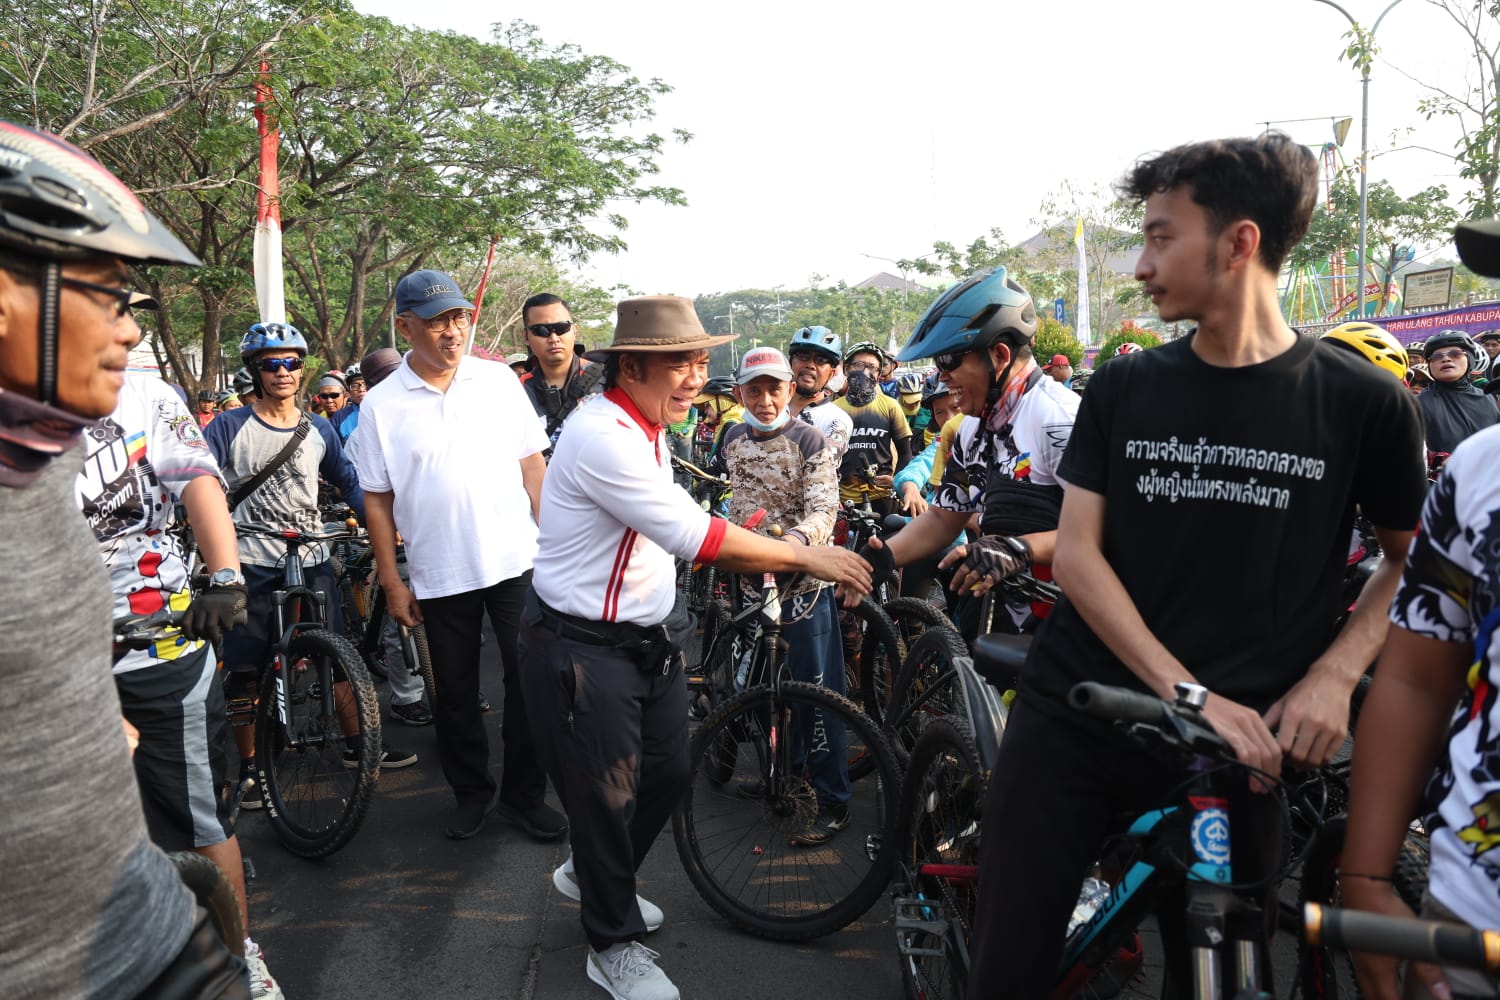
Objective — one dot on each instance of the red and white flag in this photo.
(270, 287)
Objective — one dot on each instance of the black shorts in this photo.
(178, 705)
(247, 647)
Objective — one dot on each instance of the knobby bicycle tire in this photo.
(911, 617)
(925, 688)
(873, 652)
(214, 893)
(736, 844)
(1327, 972)
(419, 659)
(938, 823)
(314, 803)
(372, 637)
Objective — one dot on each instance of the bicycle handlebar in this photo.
(1419, 940)
(1117, 704)
(1179, 726)
(340, 531)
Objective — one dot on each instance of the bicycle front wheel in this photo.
(419, 659)
(926, 688)
(743, 841)
(937, 833)
(325, 708)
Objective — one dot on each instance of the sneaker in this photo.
(564, 882)
(415, 714)
(541, 821)
(629, 971)
(484, 703)
(467, 818)
(390, 758)
(262, 985)
(823, 829)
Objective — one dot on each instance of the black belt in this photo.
(615, 635)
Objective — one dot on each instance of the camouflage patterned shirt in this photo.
(793, 476)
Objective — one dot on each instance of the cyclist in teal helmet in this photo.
(814, 354)
(979, 335)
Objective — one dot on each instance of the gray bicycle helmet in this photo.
(57, 203)
(242, 382)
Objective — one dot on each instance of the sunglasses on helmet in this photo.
(279, 364)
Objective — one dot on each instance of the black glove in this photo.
(996, 557)
(214, 611)
(882, 563)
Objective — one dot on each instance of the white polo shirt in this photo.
(613, 519)
(452, 459)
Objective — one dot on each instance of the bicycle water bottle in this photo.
(1090, 898)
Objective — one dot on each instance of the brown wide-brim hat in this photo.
(658, 323)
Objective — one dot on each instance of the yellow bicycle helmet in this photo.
(1382, 349)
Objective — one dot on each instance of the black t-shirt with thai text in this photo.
(1229, 496)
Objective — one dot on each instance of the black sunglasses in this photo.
(279, 364)
(949, 362)
(122, 296)
(549, 329)
(330, 395)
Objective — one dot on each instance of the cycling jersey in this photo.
(1449, 593)
(137, 462)
(877, 426)
(834, 422)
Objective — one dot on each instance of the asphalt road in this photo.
(402, 911)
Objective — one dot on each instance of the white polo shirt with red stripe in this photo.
(614, 521)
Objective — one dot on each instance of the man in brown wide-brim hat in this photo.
(603, 630)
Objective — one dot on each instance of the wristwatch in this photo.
(227, 578)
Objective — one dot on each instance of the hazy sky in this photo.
(825, 131)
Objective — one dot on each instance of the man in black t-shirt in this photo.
(1203, 542)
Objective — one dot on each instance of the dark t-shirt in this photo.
(1230, 495)
(1451, 411)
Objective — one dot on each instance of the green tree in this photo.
(1476, 111)
(1393, 225)
(1053, 338)
(1127, 332)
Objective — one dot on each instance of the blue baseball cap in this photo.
(428, 293)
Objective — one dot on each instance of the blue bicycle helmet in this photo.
(973, 313)
(820, 339)
(272, 337)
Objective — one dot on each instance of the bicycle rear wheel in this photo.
(872, 658)
(315, 802)
(735, 837)
(937, 833)
(372, 635)
(926, 687)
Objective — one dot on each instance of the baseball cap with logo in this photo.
(763, 361)
(428, 293)
(1058, 361)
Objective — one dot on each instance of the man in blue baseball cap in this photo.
(450, 455)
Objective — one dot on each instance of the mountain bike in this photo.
(752, 791)
(317, 722)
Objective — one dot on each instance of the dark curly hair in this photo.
(1270, 180)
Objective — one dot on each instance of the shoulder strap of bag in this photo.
(253, 483)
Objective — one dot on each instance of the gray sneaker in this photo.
(629, 972)
(262, 986)
(565, 883)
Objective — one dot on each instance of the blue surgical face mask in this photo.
(765, 428)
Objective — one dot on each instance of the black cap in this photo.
(1479, 246)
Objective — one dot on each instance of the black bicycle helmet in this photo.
(1479, 359)
(57, 203)
(719, 385)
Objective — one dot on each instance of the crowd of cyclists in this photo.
(544, 498)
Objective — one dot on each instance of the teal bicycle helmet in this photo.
(973, 313)
(820, 339)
